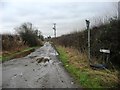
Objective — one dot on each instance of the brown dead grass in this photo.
(79, 60)
(11, 43)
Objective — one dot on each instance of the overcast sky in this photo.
(69, 15)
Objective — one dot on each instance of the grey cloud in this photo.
(68, 16)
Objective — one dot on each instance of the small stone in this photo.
(32, 62)
(26, 65)
(43, 86)
(45, 65)
(21, 74)
(39, 68)
(72, 82)
(15, 74)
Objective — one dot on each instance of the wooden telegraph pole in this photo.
(87, 24)
(54, 27)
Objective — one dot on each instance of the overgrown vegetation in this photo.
(76, 63)
(21, 44)
(12, 42)
(30, 35)
(73, 54)
(105, 36)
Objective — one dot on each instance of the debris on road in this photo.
(43, 70)
(42, 59)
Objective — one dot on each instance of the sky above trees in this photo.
(69, 15)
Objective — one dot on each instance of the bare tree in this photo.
(28, 34)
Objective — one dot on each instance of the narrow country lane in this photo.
(40, 69)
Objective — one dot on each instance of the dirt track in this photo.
(40, 69)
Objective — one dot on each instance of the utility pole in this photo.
(87, 24)
(54, 27)
(119, 10)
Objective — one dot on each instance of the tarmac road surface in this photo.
(40, 69)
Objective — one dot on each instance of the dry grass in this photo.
(18, 54)
(12, 44)
(79, 61)
(76, 58)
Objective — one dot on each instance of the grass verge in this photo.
(77, 65)
(17, 54)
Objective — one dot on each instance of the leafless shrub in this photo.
(12, 42)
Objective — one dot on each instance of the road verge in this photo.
(17, 54)
(77, 65)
